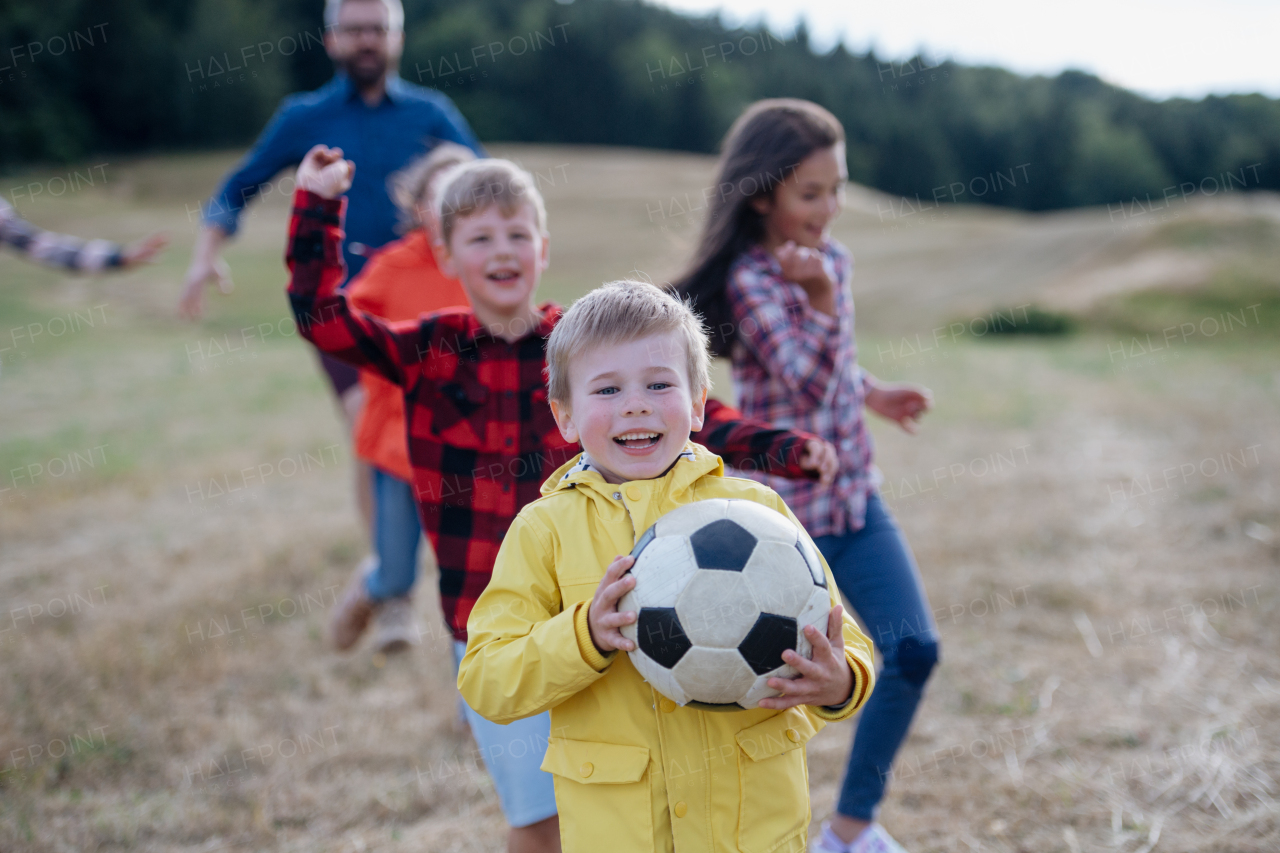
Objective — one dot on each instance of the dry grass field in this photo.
(1097, 517)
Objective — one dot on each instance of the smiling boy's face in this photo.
(498, 258)
(631, 406)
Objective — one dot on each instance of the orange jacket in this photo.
(398, 283)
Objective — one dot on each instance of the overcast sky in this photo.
(1161, 49)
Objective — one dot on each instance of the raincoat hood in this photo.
(694, 462)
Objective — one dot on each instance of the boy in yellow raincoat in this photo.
(628, 376)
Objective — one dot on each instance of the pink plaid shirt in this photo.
(797, 368)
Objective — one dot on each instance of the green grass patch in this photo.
(1236, 304)
(1254, 234)
(1031, 320)
(69, 453)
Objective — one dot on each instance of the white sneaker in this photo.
(875, 840)
(395, 628)
(872, 840)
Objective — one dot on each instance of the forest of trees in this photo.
(81, 77)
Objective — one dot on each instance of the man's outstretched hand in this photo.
(325, 173)
(207, 267)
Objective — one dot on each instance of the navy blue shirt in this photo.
(408, 122)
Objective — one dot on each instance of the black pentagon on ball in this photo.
(764, 644)
(723, 544)
(660, 635)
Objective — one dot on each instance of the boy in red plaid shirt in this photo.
(481, 435)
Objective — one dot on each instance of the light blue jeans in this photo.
(513, 756)
(875, 570)
(397, 535)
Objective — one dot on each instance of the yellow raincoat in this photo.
(633, 771)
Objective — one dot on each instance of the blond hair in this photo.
(471, 188)
(623, 311)
(408, 187)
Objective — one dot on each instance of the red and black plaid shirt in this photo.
(482, 439)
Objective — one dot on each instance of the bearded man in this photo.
(378, 120)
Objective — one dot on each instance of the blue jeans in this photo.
(875, 570)
(397, 533)
(513, 754)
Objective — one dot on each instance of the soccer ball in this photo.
(723, 588)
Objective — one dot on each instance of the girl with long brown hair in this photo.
(774, 288)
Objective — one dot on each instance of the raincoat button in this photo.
(681, 809)
(634, 492)
(793, 735)
(668, 706)
(617, 496)
(586, 769)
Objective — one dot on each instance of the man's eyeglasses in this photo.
(357, 30)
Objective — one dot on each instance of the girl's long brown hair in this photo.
(762, 149)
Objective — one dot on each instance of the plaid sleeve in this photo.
(794, 342)
(56, 250)
(751, 445)
(322, 311)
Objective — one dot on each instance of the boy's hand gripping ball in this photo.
(723, 588)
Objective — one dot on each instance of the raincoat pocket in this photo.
(773, 782)
(602, 794)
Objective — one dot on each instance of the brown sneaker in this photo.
(354, 611)
(394, 627)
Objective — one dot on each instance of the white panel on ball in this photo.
(662, 570)
(815, 613)
(684, 521)
(718, 676)
(779, 579)
(761, 689)
(767, 525)
(716, 609)
(659, 677)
